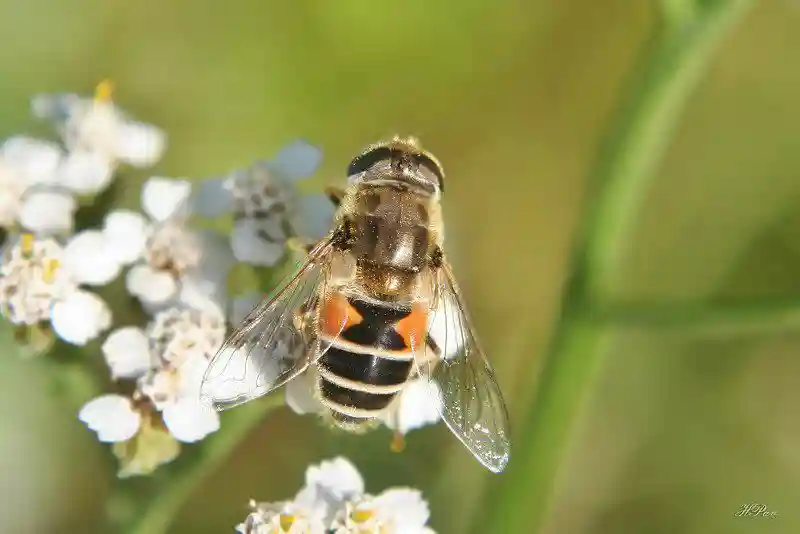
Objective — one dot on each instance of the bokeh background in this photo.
(679, 430)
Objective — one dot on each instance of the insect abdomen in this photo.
(371, 360)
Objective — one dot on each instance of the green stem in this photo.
(670, 69)
(156, 512)
(676, 13)
(671, 65)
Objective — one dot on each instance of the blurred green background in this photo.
(680, 428)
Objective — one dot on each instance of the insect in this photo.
(359, 309)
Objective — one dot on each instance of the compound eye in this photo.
(425, 161)
(369, 158)
(398, 158)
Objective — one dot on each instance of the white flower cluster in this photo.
(45, 264)
(266, 206)
(167, 361)
(178, 272)
(333, 501)
(40, 281)
(39, 180)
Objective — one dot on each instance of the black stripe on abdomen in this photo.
(365, 368)
(377, 326)
(361, 400)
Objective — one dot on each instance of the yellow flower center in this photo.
(286, 521)
(362, 516)
(104, 91)
(26, 244)
(50, 271)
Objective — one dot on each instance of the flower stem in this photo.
(153, 512)
(670, 67)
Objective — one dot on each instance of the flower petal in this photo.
(163, 198)
(151, 286)
(312, 217)
(112, 417)
(55, 107)
(296, 160)
(188, 420)
(126, 233)
(216, 258)
(418, 405)
(301, 394)
(36, 161)
(205, 286)
(212, 198)
(88, 260)
(201, 294)
(10, 198)
(85, 172)
(338, 477)
(47, 212)
(139, 144)
(191, 373)
(160, 386)
(252, 242)
(80, 318)
(127, 352)
(404, 508)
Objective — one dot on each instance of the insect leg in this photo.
(430, 355)
(434, 347)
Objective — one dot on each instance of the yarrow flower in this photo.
(179, 274)
(170, 259)
(44, 271)
(39, 179)
(98, 136)
(40, 281)
(266, 205)
(166, 362)
(27, 176)
(333, 500)
(176, 270)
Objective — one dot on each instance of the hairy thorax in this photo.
(393, 237)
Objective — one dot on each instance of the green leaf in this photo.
(151, 447)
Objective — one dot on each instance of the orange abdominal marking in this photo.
(337, 312)
(414, 326)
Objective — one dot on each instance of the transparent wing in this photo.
(472, 404)
(275, 342)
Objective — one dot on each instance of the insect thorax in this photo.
(393, 236)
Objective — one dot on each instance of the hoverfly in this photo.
(360, 307)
